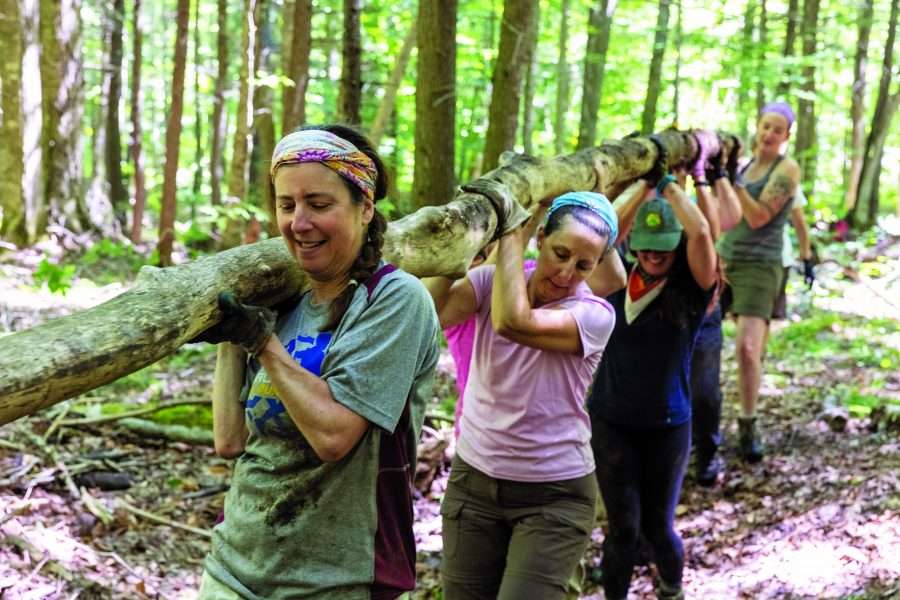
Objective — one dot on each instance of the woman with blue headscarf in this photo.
(519, 507)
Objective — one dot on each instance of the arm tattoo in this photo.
(777, 192)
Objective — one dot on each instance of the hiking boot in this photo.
(669, 592)
(707, 470)
(750, 447)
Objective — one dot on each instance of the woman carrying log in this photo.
(640, 401)
(325, 431)
(519, 505)
(752, 252)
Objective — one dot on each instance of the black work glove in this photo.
(243, 324)
(510, 214)
(809, 272)
(660, 166)
(731, 165)
(714, 169)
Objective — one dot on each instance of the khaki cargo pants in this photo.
(511, 540)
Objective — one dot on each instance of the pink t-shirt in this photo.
(524, 416)
(460, 339)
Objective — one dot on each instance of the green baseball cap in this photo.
(655, 227)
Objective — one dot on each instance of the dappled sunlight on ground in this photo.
(822, 553)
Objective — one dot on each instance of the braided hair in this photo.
(366, 262)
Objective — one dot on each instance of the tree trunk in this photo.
(870, 180)
(599, 25)
(98, 184)
(173, 137)
(790, 38)
(166, 307)
(386, 108)
(216, 159)
(676, 83)
(263, 126)
(762, 64)
(654, 81)
(858, 102)
(293, 98)
(32, 183)
(237, 176)
(562, 81)
(350, 97)
(530, 75)
(806, 114)
(12, 161)
(62, 83)
(199, 150)
(435, 137)
(112, 93)
(885, 107)
(506, 83)
(745, 69)
(140, 189)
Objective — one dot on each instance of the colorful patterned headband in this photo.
(336, 153)
(594, 202)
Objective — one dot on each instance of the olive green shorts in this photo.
(754, 287)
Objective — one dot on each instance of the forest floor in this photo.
(98, 510)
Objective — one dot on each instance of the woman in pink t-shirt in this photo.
(519, 506)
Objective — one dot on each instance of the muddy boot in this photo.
(707, 470)
(669, 592)
(750, 447)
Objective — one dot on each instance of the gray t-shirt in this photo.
(295, 526)
(764, 244)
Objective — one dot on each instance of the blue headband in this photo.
(594, 202)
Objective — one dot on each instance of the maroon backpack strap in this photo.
(373, 281)
(395, 545)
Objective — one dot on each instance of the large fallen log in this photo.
(167, 307)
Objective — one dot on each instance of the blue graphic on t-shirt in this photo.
(270, 421)
(309, 352)
(266, 412)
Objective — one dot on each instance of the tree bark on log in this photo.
(167, 307)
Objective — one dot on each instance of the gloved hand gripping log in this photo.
(510, 214)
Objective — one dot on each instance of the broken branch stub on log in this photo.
(167, 307)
